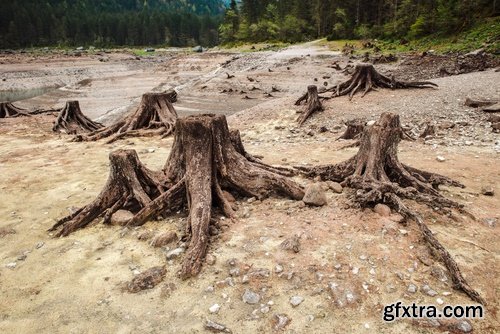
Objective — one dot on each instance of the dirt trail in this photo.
(74, 284)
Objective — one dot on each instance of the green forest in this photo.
(26, 23)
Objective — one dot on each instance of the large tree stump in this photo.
(365, 78)
(71, 120)
(155, 116)
(202, 163)
(378, 176)
(8, 110)
(313, 103)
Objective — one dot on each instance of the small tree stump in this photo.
(8, 110)
(354, 129)
(71, 120)
(155, 116)
(313, 103)
(430, 130)
(202, 164)
(378, 176)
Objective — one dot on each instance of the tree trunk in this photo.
(313, 103)
(202, 163)
(155, 116)
(71, 120)
(8, 110)
(378, 176)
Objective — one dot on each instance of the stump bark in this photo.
(8, 110)
(313, 103)
(378, 176)
(155, 116)
(71, 120)
(365, 78)
(202, 164)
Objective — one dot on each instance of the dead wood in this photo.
(430, 130)
(378, 176)
(147, 279)
(354, 129)
(365, 78)
(8, 110)
(154, 116)
(71, 120)
(313, 103)
(479, 103)
(204, 163)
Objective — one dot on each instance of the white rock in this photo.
(175, 253)
(440, 158)
(250, 297)
(214, 308)
(11, 265)
(296, 301)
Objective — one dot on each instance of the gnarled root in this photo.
(155, 116)
(378, 176)
(71, 120)
(202, 163)
(8, 110)
(365, 78)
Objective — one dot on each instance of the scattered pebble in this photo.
(175, 253)
(296, 301)
(314, 195)
(250, 297)
(440, 158)
(214, 308)
(216, 327)
(11, 265)
(412, 288)
(280, 321)
(487, 191)
(428, 291)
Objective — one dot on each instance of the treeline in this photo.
(298, 20)
(26, 23)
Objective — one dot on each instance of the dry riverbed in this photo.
(350, 261)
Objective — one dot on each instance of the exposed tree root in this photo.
(154, 116)
(313, 103)
(8, 110)
(71, 120)
(203, 162)
(365, 78)
(377, 175)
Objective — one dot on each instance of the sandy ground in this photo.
(75, 284)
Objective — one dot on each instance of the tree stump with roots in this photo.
(155, 116)
(8, 110)
(378, 176)
(365, 78)
(313, 103)
(354, 129)
(71, 120)
(202, 163)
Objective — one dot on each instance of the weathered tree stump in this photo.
(71, 120)
(8, 110)
(366, 78)
(155, 116)
(354, 129)
(202, 163)
(313, 103)
(430, 130)
(378, 176)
